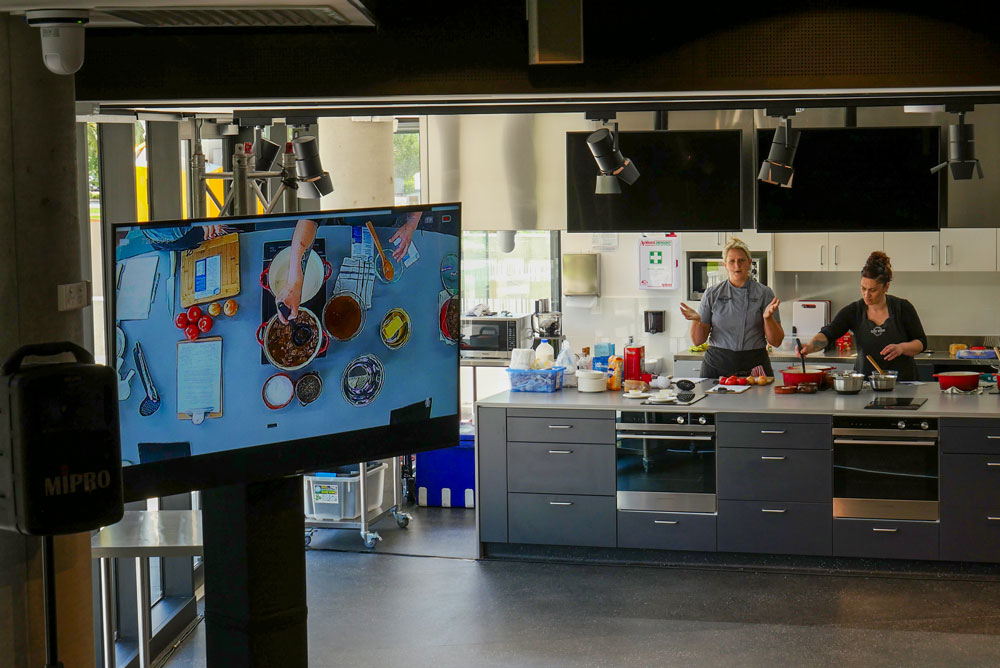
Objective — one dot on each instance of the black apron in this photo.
(724, 362)
(870, 339)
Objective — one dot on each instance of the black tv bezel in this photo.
(280, 459)
(737, 226)
(760, 153)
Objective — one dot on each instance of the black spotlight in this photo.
(313, 181)
(264, 151)
(777, 169)
(961, 151)
(613, 165)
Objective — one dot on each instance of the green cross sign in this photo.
(656, 257)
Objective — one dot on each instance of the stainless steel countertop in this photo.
(150, 533)
(834, 356)
(762, 399)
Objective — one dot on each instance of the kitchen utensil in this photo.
(394, 329)
(962, 380)
(308, 388)
(637, 395)
(884, 382)
(798, 351)
(785, 389)
(278, 391)
(874, 364)
(151, 402)
(806, 388)
(300, 330)
(849, 382)
(344, 316)
(388, 273)
(685, 385)
(812, 374)
(266, 330)
(124, 384)
(591, 381)
(315, 270)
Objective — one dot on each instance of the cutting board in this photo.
(730, 389)
(228, 249)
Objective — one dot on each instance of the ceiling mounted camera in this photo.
(62, 37)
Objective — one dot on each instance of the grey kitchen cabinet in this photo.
(970, 506)
(562, 519)
(970, 436)
(885, 539)
(666, 531)
(775, 527)
(491, 473)
(560, 429)
(767, 433)
(561, 468)
(775, 474)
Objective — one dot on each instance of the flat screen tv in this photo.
(855, 179)
(688, 181)
(259, 347)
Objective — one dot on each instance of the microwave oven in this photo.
(706, 268)
(493, 336)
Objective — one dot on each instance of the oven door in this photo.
(885, 477)
(666, 468)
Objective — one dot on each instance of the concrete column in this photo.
(358, 155)
(41, 246)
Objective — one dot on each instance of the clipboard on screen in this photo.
(199, 379)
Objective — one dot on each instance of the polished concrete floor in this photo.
(375, 608)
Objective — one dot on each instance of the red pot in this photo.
(793, 375)
(963, 380)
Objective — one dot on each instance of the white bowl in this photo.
(591, 381)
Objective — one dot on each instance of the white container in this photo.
(522, 358)
(336, 499)
(545, 355)
(591, 381)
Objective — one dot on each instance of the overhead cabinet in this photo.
(821, 251)
(971, 249)
(706, 241)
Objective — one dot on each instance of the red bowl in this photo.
(963, 380)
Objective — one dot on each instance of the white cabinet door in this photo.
(850, 250)
(757, 241)
(703, 241)
(801, 252)
(913, 251)
(969, 249)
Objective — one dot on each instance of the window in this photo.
(510, 281)
(406, 161)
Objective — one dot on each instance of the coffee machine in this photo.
(546, 324)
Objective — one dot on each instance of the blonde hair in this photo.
(736, 244)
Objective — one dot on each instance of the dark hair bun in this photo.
(878, 267)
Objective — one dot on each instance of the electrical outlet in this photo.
(74, 295)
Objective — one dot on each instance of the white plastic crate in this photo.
(336, 499)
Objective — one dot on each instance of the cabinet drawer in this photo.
(666, 531)
(969, 535)
(882, 539)
(571, 468)
(775, 527)
(971, 481)
(560, 430)
(778, 474)
(562, 519)
(774, 435)
(982, 438)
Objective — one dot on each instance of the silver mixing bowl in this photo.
(849, 382)
(883, 382)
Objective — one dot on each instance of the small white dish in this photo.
(637, 395)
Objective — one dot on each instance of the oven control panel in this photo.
(887, 423)
(666, 417)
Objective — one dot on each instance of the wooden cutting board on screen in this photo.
(227, 248)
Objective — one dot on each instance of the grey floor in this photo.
(383, 607)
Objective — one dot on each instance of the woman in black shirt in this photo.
(884, 326)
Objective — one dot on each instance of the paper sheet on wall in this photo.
(199, 378)
(658, 264)
(135, 288)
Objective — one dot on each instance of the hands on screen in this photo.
(405, 234)
(291, 294)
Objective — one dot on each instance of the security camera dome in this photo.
(62, 37)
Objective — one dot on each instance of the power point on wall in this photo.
(74, 296)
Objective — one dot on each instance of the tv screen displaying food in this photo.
(251, 348)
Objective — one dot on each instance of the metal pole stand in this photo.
(49, 592)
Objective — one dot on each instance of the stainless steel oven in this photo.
(885, 468)
(666, 461)
(493, 337)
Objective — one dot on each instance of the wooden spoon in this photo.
(874, 364)
(387, 271)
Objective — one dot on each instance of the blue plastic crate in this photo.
(536, 380)
(447, 477)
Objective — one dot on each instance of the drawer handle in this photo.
(560, 452)
(992, 438)
(881, 530)
(560, 503)
(993, 463)
(664, 521)
(771, 459)
(772, 431)
(772, 510)
(993, 519)
(560, 426)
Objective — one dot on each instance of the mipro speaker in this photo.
(60, 457)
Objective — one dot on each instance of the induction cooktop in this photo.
(896, 403)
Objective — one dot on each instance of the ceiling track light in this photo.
(961, 151)
(614, 166)
(777, 168)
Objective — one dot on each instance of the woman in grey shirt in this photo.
(738, 318)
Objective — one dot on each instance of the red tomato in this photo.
(205, 323)
(181, 320)
(742, 381)
(731, 380)
(194, 313)
(191, 332)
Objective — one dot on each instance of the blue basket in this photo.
(536, 380)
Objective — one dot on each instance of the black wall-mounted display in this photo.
(689, 181)
(856, 179)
